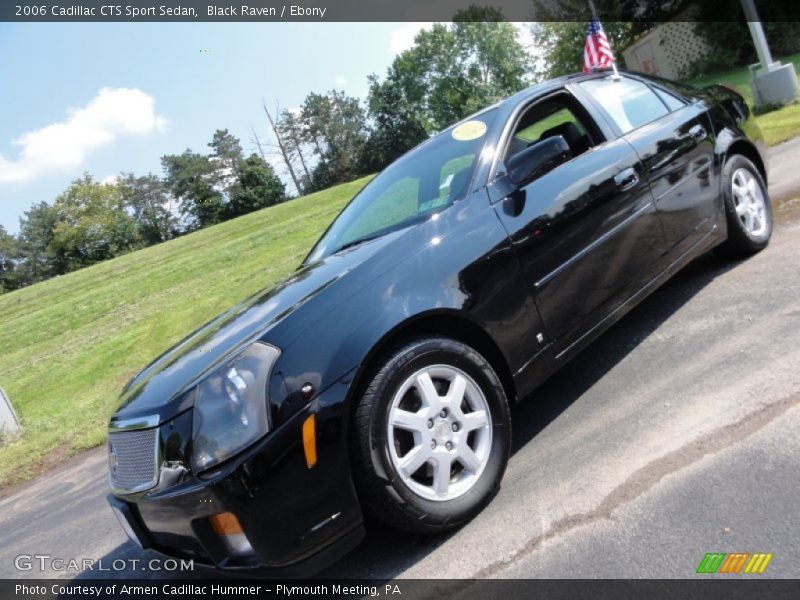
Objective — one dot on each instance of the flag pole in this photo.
(615, 74)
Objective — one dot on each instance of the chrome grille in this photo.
(132, 459)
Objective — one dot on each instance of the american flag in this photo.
(597, 52)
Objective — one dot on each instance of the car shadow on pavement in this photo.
(386, 553)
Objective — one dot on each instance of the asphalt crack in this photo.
(646, 477)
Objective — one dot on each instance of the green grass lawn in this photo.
(778, 125)
(69, 344)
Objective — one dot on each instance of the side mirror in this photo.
(537, 159)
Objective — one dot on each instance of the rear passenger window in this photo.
(630, 103)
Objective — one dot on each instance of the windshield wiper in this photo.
(359, 241)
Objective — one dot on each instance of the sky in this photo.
(104, 98)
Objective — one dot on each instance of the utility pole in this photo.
(773, 83)
(757, 33)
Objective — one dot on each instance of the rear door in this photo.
(586, 233)
(675, 141)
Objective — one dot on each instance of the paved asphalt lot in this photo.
(675, 434)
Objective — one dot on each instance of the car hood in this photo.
(160, 388)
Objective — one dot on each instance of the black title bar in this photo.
(232, 588)
(385, 10)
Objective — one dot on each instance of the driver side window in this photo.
(553, 116)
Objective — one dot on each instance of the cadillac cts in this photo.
(376, 380)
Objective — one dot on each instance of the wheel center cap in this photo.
(442, 431)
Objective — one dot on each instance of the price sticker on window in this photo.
(471, 130)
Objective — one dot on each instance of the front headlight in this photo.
(231, 409)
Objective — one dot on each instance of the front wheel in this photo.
(431, 436)
(747, 208)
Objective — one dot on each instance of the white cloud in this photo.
(341, 80)
(62, 146)
(109, 179)
(403, 38)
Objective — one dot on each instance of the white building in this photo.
(668, 50)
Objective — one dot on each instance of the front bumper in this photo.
(298, 519)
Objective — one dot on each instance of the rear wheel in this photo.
(432, 436)
(747, 208)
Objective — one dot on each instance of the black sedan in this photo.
(376, 380)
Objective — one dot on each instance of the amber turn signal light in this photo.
(225, 524)
(310, 440)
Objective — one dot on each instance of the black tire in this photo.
(383, 493)
(741, 242)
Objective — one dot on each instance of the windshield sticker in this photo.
(471, 130)
(430, 204)
(446, 183)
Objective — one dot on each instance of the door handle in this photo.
(697, 132)
(626, 179)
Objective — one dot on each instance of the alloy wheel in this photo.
(439, 432)
(748, 200)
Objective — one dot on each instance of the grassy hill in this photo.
(69, 344)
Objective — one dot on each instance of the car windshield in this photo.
(421, 183)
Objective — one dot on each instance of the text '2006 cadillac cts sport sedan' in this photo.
(376, 380)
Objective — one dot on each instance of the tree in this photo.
(34, 244)
(226, 148)
(222, 185)
(147, 199)
(334, 127)
(257, 187)
(396, 125)
(192, 179)
(782, 34)
(314, 114)
(93, 225)
(432, 79)
(288, 136)
(226, 154)
(490, 54)
(454, 70)
(8, 257)
(291, 130)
